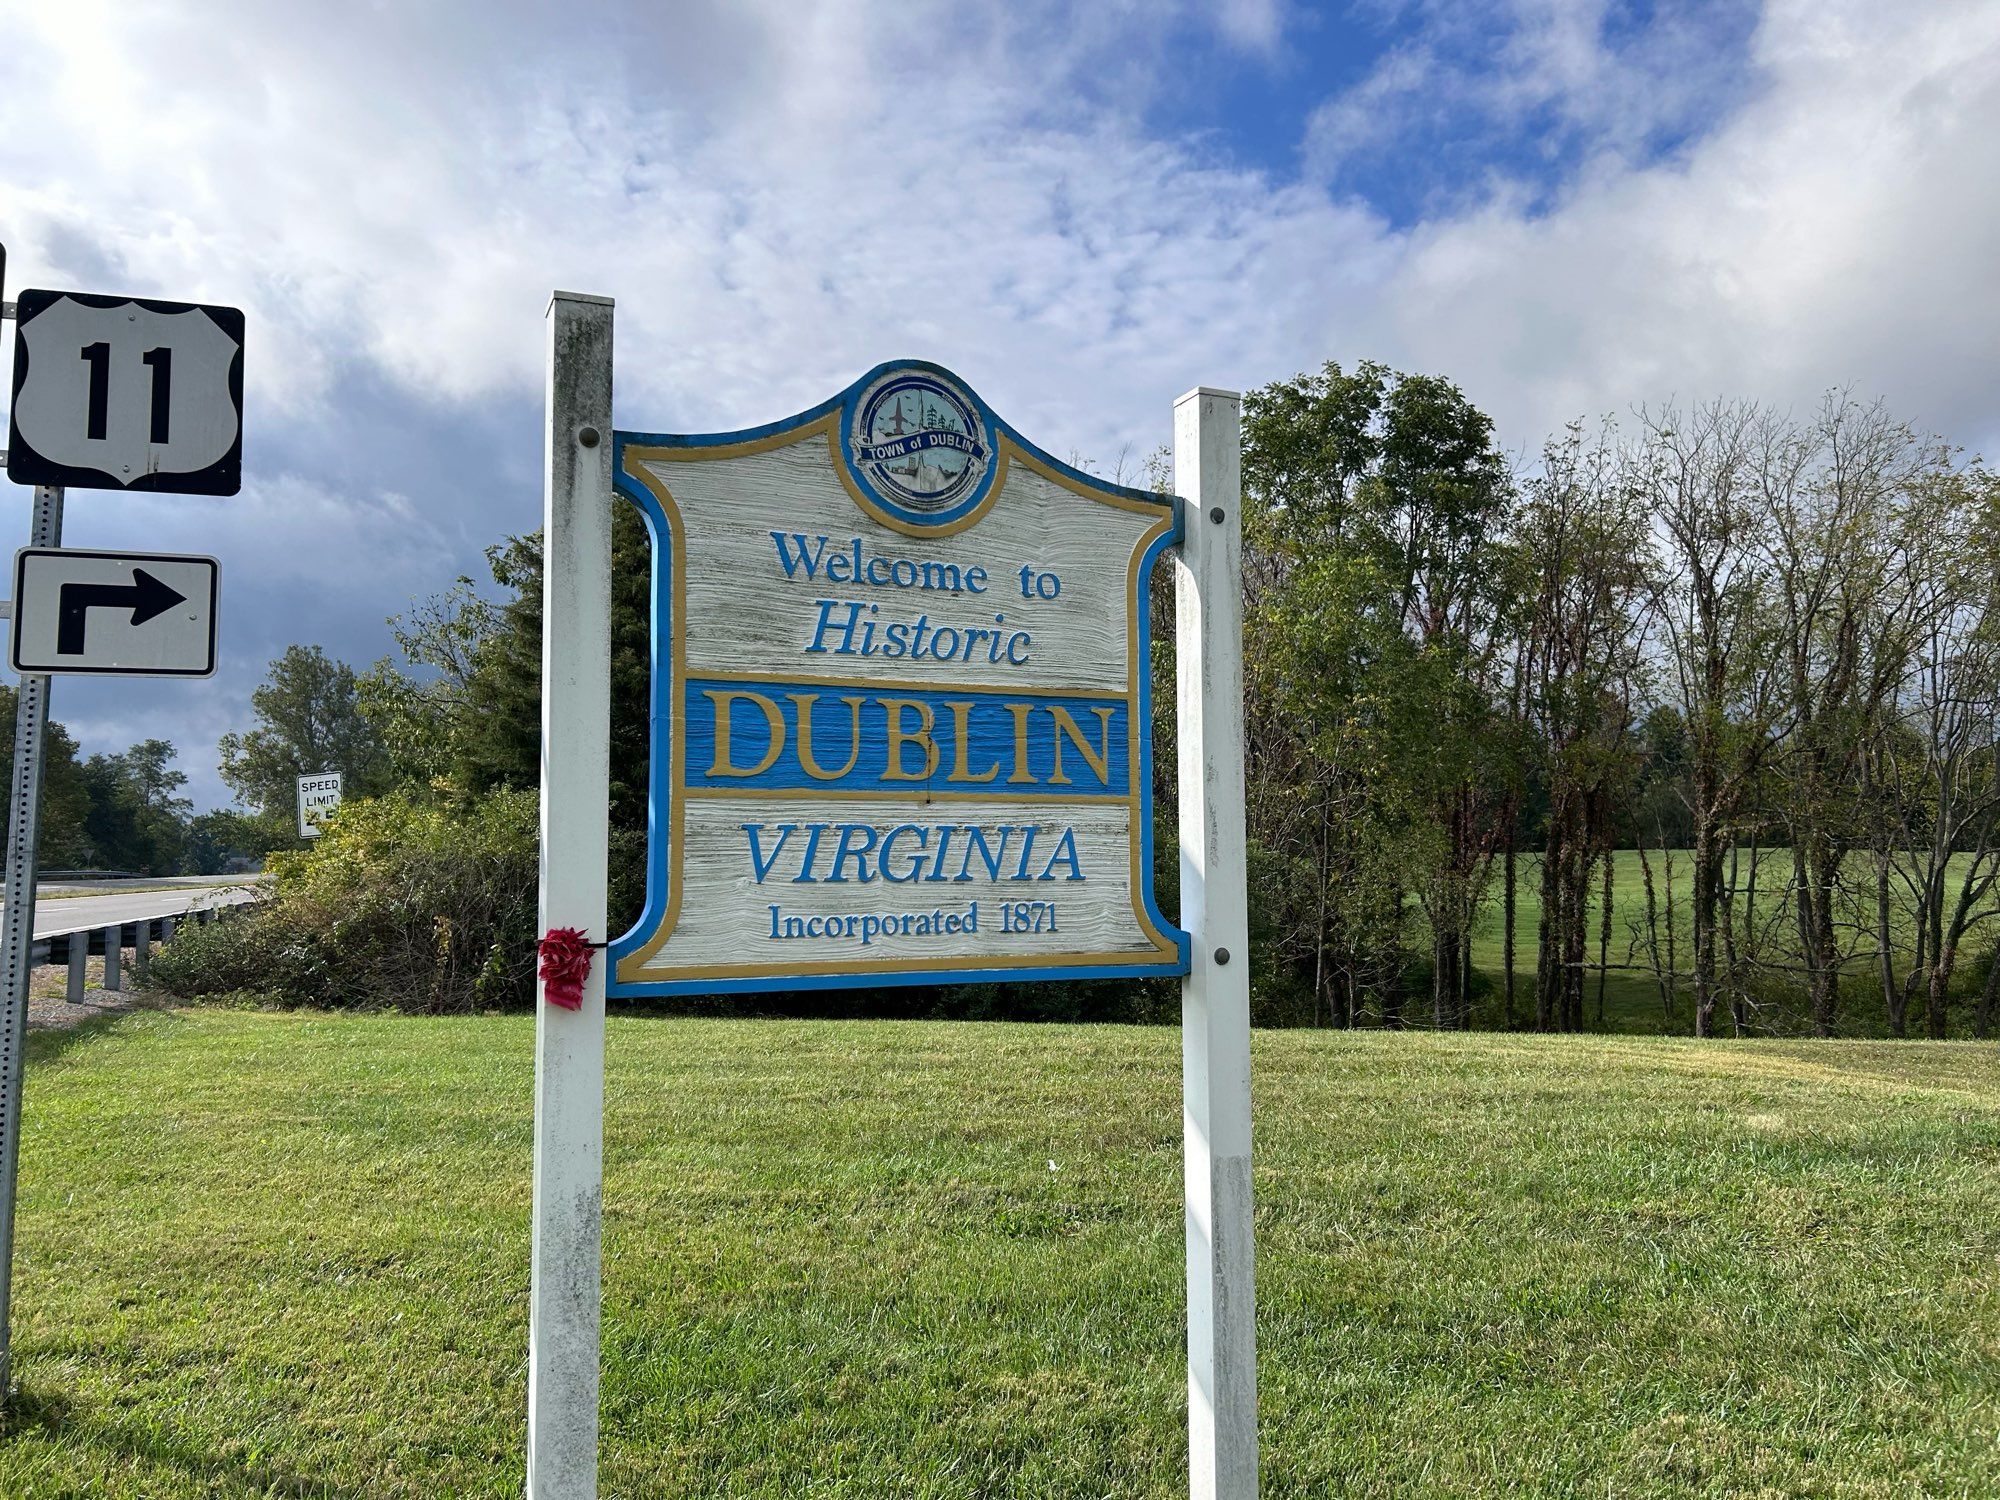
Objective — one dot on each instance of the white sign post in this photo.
(1215, 996)
(903, 657)
(576, 796)
(319, 795)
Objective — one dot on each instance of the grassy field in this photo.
(287, 1255)
(1631, 994)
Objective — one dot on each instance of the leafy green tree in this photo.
(473, 724)
(137, 818)
(64, 841)
(424, 719)
(309, 720)
(1374, 506)
(502, 741)
(1333, 711)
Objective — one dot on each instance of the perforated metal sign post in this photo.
(17, 932)
(902, 733)
(17, 918)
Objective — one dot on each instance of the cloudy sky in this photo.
(1568, 206)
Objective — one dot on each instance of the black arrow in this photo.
(145, 596)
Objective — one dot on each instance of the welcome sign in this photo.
(902, 703)
(900, 733)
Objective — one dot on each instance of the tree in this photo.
(1933, 766)
(423, 721)
(1853, 511)
(1711, 602)
(1443, 493)
(1581, 534)
(63, 841)
(1317, 620)
(1374, 504)
(467, 721)
(1335, 709)
(308, 720)
(137, 819)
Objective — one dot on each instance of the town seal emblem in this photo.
(921, 447)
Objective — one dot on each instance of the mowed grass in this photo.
(1632, 1000)
(280, 1254)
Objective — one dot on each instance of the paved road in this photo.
(119, 901)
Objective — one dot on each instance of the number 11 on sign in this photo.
(159, 361)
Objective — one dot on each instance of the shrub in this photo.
(236, 953)
(418, 906)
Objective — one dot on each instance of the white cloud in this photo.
(1835, 229)
(393, 196)
(778, 202)
(780, 196)
(1370, 116)
(1253, 25)
(1543, 81)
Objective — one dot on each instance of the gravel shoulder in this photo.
(49, 1008)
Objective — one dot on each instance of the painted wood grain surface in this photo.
(744, 614)
(726, 918)
(893, 749)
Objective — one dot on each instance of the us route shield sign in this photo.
(125, 614)
(125, 393)
(902, 702)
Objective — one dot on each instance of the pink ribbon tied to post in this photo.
(566, 955)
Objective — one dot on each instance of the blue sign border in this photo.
(660, 783)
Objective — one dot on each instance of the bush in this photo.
(229, 955)
(415, 906)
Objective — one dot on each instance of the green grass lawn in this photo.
(280, 1254)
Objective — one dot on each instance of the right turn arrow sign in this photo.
(145, 596)
(135, 614)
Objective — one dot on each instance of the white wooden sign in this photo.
(900, 706)
(902, 687)
(319, 795)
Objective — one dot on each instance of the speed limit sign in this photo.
(120, 393)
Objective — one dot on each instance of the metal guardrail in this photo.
(75, 947)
